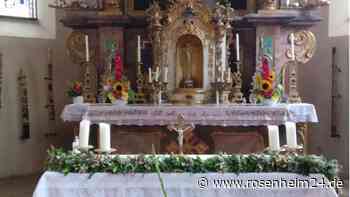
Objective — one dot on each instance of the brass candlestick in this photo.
(140, 94)
(156, 87)
(222, 91)
(237, 87)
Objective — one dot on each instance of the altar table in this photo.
(203, 115)
(54, 184)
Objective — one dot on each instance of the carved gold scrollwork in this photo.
(305, 46)
(75, 45)
(313, 3)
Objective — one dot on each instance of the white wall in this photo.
(25, 45)
(339, 18)
(316, 87)
(44, 28)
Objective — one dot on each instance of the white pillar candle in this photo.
(229, 75)
(287, 3)
(292, 39)
(84, 134)
(160, 97)
(166, 70)
(150, 75)
(237, 48)
(274, 138)
(223, 75)
(217, 97)
(291, 132)
(157, 74)
(138, 48)
(224, 52)
(87, 48)
(105, 136)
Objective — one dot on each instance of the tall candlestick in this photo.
(292, 39)
(150, 75)
(87, 48)
(166, 70)
(138, 48)
(105, 137)
(274, 138)
(237, 48)
(84, 133)
(291, 132)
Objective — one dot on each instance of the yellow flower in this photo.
(272, 76)
(258, 79)
(118, 86)
(266, 86)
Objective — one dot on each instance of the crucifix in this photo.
(180, 127)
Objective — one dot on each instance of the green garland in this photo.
(88, 162)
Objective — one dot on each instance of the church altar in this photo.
(204, 115)
(54, 184)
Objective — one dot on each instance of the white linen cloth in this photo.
(54, 184)
(205, 115)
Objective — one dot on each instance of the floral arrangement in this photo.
(266, 86)
(75, 89)
(88, 162)
(116, 90)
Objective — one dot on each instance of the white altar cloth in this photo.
(54, 184)
(205, 115)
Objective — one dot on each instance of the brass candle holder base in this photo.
(222, 90)
(156, 90)
(286, 150)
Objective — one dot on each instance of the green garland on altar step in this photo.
(88, 162)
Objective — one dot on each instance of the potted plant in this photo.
(75, 91)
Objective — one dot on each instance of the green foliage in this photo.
(88, 162)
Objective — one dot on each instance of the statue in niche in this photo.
(189, 71)
(186, 64)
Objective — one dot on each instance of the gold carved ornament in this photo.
(75, 45)
(305, 46)
(111, 7)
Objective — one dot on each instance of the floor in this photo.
(18, 186)
(24, 186)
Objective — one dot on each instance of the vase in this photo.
(268, 102)
(78, 100)
(119, 102)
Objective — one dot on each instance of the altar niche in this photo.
(189, 62)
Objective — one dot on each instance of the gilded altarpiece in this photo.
(180, 35)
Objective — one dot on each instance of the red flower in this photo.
(268, 94)
(118, 66)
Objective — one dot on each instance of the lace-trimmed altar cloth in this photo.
(204, 115)
(53, 184)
